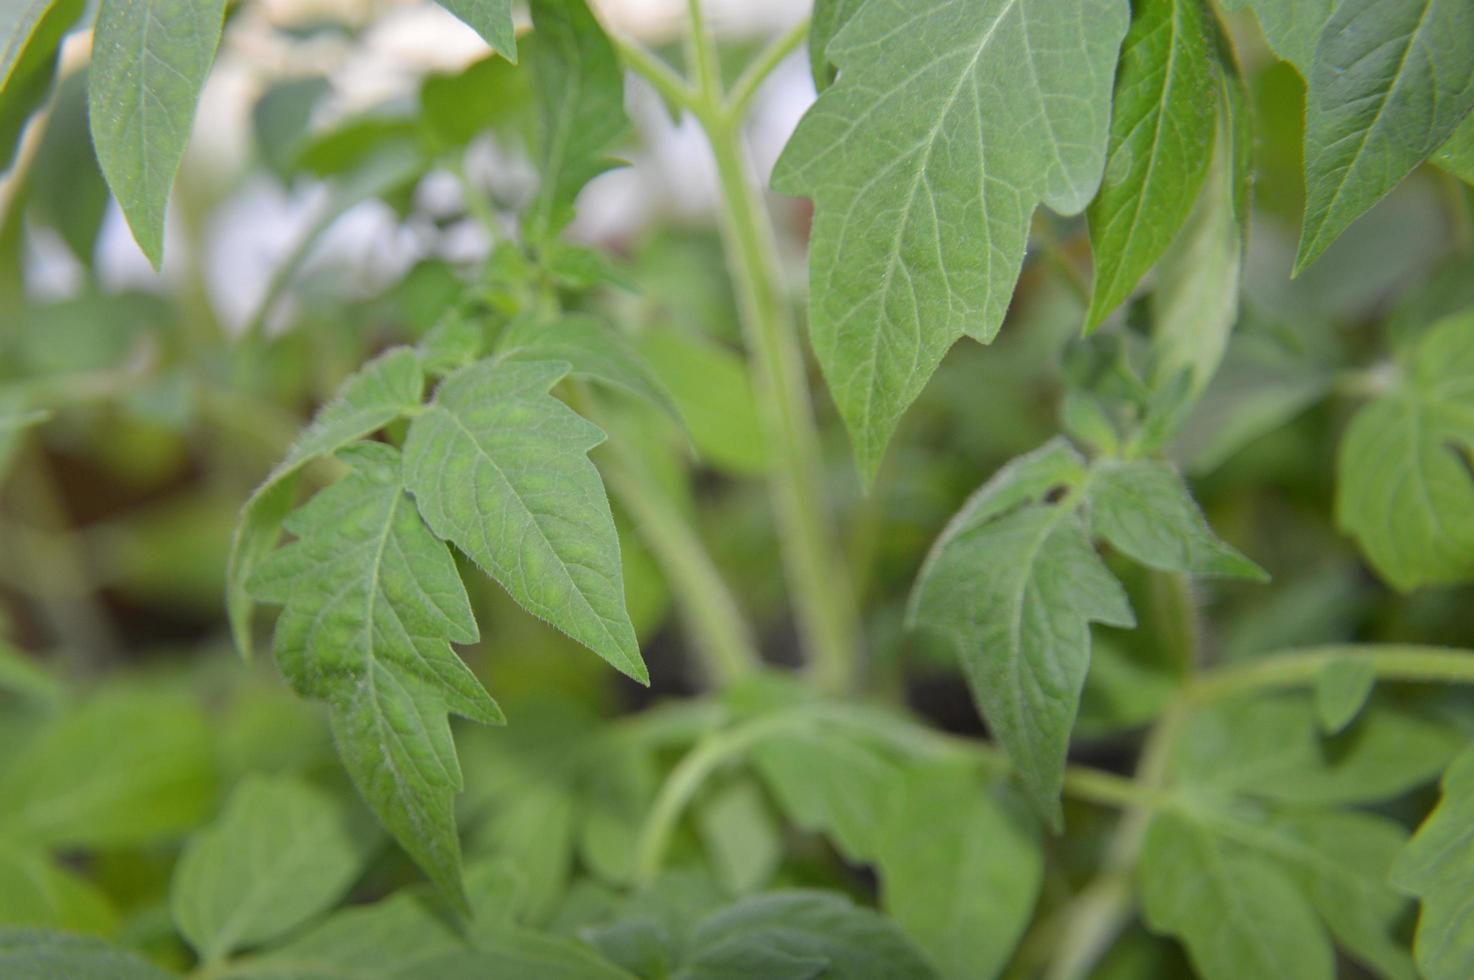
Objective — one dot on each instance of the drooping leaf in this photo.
(130, 766)
(36, 892)
(380, 392)
(35, 954)
(149, 63)
(1239, 914)
(492, 19)
(1014, 583)
(829, 18)
(500, 469)
(372, 603)
(959, 871)
(952, 120)
(1144, 508)
(1403, 483)
(1162, 134)
(1438, 867)
(1390, 82)
(580, 88)
(593, 350)
(280, 853)
(1457, 155)
(1342, 687)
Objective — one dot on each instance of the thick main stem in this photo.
(823, 596)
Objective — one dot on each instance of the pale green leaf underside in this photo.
(492, 19)
(1292, 28)
(1015, 590)
(1438, 867)
(1404, 487)
(1144, 509)
(384, 389)
(951, 121)
(1162, 130)
(281, 853)
(149, 63)
(1390, 82)
(500, 469)
(1239, 914)
(372, 603)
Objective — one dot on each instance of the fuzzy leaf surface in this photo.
(500, 469)
(149, 63)
(372, 603)
(1162, 129)
(951, 121)
(1390, 82)
(1014, 584)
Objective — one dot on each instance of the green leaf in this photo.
(30, 55)
(373, 602)
(34, 954)
(1438, 867)
(1457, 155)
(1403, 483)
(1390, 82)
(35, 892)
(1293, 27)
(383, 390)
(741, 837)
(500, 469)
(831, 784)
(801, 934)
(492, 19)
(580, 86)
(129, 767)
(280, 853)
(1341, 690)
(1143, 508)
(829, 17)
(710, 386)
(1014, 584)
(19, 23)
(15, 418)
(1162, 129)
(959, 869)
(1239, 914)
(515, 952)
(67, 190)
(951, 121)
(149, 63)
(593, 350)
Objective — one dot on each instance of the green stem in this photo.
(823, 595)
(1407, 663)
(752, 77)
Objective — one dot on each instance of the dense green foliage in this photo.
(1130, 641)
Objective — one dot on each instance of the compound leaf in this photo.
(1015, 588)
(580, 87)
(1403, 483)
(593, 350)
(372, 603)
(1438, 867)
(1162, 132)
(492, 19)
(500, 469)
(380, 392)
(281, 853)
(1143, 508)
(1390, 82)
(951, 121)
(149, 63)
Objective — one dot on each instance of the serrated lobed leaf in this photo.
(1390, 82)
(1143, 508)
(381, 391)
(1404, 488)
(372, 603)
(1015, 590)
(500, 468)
(149, 63)
(281, 853)
(1162, 133)
(951, 121)
(1239, 914)
(580, 87)
(1438, 867)
(492, 19)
